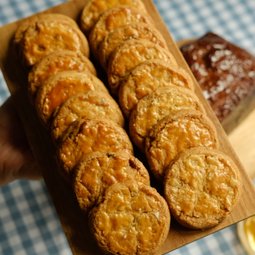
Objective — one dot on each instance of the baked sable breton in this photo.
(95, 8)
(225, 72)
(154, 107)
(61, 86)
(147, 78)
(90, 105)
(132, 219)
(90, 135)
(122, 34)
(112, 19)
(63, 60)
(98, 171)
(22, 28)
(201, 187)
(45, 34)
(129, 55)
(176, 133)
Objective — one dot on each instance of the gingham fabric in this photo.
(28, 221)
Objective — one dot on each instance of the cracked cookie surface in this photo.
(154, 107)
(95, 8)
(113, 19)
(55, 62)
(98, 171)
(90, 105)
(46, 33)
(129, 55)
(131, 219)
(61, 86)
(122, 34)
(86, 136)
(201, 187)
(148, 77)
(176, 133)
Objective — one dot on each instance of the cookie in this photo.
(146, 78)
(95, 8)
(55, 62)
(61, 86)
(131, 219)
(25, 24)
(98, 171)
(201, 187)
(45, 35)
(176, 133)
(129, 55)
(122, 34)
(87, 136)
(154, 107)
(113, 19)
(90, 105)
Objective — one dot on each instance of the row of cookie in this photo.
(165, 116)
(74, 105)
(126, 215)
(64, 90)
(62, 82)
(126, 38)
(140, 69)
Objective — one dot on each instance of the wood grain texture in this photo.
(242, 139)
(74, 223)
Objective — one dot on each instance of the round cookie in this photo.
(95, 8)
(98, 171)
(24, 25)
(86, 136)
(154, 107)
(129, 55)
(146, 78)
(112, 19)
(46, 35)
(176, 133)
(61, 86)
(91, 105)
(55, 62)
(201, 187)
(131, 219)
(122, 34)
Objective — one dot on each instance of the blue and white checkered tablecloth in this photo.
(28, 221)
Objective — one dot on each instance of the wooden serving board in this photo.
(242, 139)
(74, 223)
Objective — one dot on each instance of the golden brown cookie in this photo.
(129, 55)
(61, 86)
(201, 187)
(90, 105)
(131, 219)
(98, 171)
(86, 136)
(122, 34)
(24, 25)
(146, 78)
(63, 60)
(44, 35)
(112, 19)
(95, 8)
(176, 133)
(154, 107)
